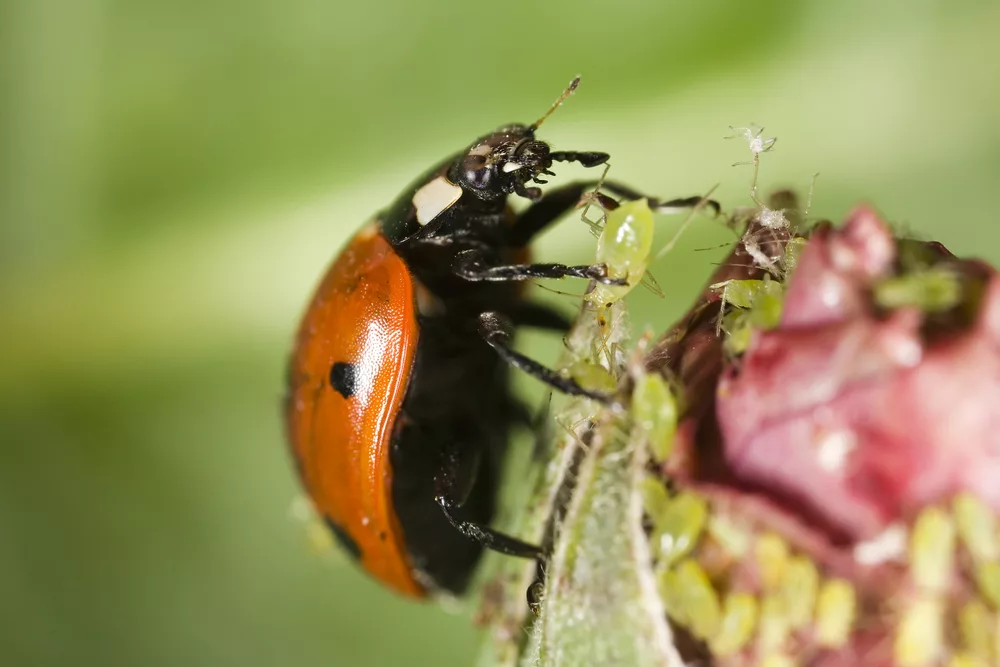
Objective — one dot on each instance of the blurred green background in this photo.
(176, 174)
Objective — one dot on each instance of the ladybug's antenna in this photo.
(562, 98)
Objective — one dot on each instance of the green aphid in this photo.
(836, 607)
(771, 553)
(758, 305)
(933, 290)
(772, 627)
(793, 249)
(730, 536)
(739, 616)
(678, 527)
(778, 660)
(654, 414)
(593, 377)
(920, 633)
(740, 293)
(988, 580)
(967, 660)
(739, 331)
(996, 637)
(624, 247)
(977, 527)
(767, 304)
(976, 627)
(932, 550)
(692, 592)
(751, 294)
(672, 594)
(655, 500)
(798, 590)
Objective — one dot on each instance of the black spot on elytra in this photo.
(345, 540)
(344, 378)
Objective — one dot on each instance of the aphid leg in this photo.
(603, 202)
(470, 265)
(452, 485)
(496, 331)
(723, 300)
(556, 203)
(699, 202)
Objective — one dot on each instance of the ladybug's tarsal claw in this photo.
(600, 274)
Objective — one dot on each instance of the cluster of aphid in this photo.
(745, 593)
(754, 601)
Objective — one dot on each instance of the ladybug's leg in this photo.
(496, 330)
(558, 201)
(586, 158)
(452, 485)
(469, 264)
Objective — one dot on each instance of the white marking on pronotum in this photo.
(434, 198)
(482, 150)
(511, 166)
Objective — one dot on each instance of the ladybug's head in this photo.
(504, 162)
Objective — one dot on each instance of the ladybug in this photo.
(399, 403)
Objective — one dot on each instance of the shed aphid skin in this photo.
(746, 305)
(399, 406)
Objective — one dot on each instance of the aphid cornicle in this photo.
(399, 406)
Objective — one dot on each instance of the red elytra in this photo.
(362, 315)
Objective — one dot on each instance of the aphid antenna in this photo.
(685, 224)
(560, 292)
(809, 198)
(555, 105)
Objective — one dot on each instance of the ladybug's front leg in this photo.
(496, 330)
(557, 202)
(452, 485)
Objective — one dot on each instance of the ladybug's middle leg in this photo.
(471, 265)
(496, 330)
(452, 485)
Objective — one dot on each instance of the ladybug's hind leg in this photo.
(452, 485)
